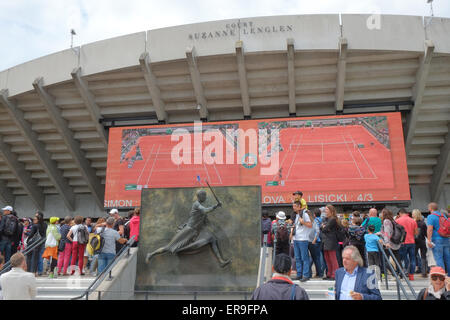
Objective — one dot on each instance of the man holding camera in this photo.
(300, 234)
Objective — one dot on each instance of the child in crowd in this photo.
(373, 254)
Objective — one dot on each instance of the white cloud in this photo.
(33, 28)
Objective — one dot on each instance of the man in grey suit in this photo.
(353, 281)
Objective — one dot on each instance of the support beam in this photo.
(87, 172)
(152, 86)
(340, 79)
(243, 79)
(22, 175)
(291, 76)
(202, 104)
(91, 105)
(38, 148)
(417, 93)
(440, 171)
(6, 196)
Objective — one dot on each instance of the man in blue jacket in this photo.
(353, 281)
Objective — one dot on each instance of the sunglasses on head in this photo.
(434, 277)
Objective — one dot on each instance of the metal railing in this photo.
(399, 283)
(108, 270)
(262, 275)
(28, 250)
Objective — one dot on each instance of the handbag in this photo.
(51, 241)
(61, 245)
(36, 237)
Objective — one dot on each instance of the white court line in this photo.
(156, 157)
(145, 165)
(364, 158)
(351, 154)
(331, 162)
(293, 159)
(217, 172)
(322, 179)
(207, 174)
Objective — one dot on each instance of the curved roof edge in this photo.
(259, 34)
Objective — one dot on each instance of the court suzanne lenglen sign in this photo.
(245, 28)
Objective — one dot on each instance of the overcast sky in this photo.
(30, 29)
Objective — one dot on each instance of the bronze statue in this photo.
(193, 235)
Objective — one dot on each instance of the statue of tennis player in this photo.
(193, 235)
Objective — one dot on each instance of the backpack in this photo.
(341, 234)
(398, 234)
(126, 230)
(265, 226)
(10, 227)
(96, 243)
(282, 234)
(82, 235)
(444, 226)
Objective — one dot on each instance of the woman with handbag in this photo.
(38, 231)
(51, 246)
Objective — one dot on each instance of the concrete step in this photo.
(62, 288)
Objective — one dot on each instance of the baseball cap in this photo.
(9, 208)
(298, 192)
(438, 270)
(113, 211)
(281, 215)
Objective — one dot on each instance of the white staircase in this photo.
(62, 288)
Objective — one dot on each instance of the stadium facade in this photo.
(55, 111)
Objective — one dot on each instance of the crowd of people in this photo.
(64, 251)
(320, 237)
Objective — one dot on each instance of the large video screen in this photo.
(331, 159)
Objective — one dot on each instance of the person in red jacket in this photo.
(134, 226)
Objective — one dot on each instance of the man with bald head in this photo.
(373, 220)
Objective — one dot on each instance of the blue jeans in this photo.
(302, 258)
(104, 259)
(408, 256)
(315, 251)
(441, 253)
(36, 260)
(5, 248)
(94, 259)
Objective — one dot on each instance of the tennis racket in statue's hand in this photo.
(219, 204)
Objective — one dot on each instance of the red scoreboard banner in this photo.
(332, 159)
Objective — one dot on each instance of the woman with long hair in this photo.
(330, 240)
(420, 241)
(39, 226)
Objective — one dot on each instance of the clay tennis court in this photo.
(156, 169)
(332, 158)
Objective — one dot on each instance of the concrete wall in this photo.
(55, 207)
(121, 287)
